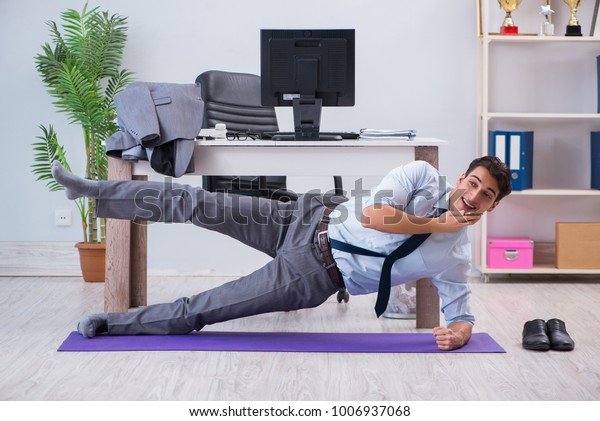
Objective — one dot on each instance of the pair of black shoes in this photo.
(539, 335)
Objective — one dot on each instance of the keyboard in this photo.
(322, 135)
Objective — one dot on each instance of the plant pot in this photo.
(92, 258)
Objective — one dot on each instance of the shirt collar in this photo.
(443, 203)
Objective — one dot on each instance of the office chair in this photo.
(234, 99)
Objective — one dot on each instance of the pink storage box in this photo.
(510, 253)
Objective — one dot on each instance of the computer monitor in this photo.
(307, 69)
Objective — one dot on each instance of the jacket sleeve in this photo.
(137, 114)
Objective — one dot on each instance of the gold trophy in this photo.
(508, 26)
(573, 27)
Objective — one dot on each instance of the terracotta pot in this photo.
(92, 258)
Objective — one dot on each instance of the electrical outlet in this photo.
(62, 217)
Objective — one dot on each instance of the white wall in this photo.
(415, 68)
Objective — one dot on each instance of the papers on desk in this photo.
(211, 134)
(377, 134)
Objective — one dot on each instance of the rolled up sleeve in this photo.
(455, 293)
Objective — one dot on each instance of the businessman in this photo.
(316, 250)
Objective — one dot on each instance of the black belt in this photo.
(322, 242)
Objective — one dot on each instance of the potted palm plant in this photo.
(81, 70)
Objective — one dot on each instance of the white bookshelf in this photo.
(512, 99)
(543, 116)
(557, 192)
(541, 269)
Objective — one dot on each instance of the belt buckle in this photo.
(322, 240)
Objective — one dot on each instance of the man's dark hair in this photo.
(498, 170)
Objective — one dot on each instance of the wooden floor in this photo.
(38, 313)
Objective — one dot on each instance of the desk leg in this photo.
(428, 154)
(428, 300)
(138, 271)
(118, 249)
(428, 304)
(116, 286)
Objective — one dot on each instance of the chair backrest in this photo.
(234, 99)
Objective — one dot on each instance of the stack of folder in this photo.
(387, 134)
(516, 150)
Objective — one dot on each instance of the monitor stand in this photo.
(307, 119)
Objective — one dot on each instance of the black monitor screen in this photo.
(307, 68)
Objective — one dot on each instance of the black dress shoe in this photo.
(535, 335)
(559, 338)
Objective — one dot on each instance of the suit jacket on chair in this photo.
(159, 122)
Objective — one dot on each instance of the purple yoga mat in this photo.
(275, 342)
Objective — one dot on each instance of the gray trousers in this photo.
(296, 278)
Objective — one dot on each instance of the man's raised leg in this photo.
(257, 222)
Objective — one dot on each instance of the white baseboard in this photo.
(25, 258)
(33, 258)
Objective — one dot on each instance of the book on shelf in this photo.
(595, 155)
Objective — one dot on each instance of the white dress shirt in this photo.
(416, 188)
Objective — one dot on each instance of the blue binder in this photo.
(520, 159)
(498, 145)
(516, 150)
(595, 140)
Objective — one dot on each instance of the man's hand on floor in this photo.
(452, 337)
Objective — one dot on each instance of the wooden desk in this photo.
(126, 244)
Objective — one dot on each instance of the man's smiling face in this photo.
(475, 192)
